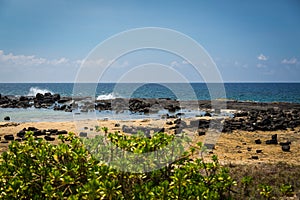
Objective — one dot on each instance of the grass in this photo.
(278, 176)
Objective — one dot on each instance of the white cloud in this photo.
(262, 57)
(31, 60)
(291, 61)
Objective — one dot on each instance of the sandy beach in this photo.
(236, 147)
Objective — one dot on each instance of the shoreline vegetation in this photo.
(255, 153)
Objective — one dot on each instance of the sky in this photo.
(249, 41)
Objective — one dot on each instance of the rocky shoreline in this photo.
(248, 116)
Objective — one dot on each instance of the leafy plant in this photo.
(286, 189)
(82, 169)
(265, 191)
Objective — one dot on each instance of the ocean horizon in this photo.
(252, 91)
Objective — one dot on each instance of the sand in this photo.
(231, 148)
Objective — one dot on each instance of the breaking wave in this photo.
(34, 90)
(106, 96)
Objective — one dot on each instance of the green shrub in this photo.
(36, 169)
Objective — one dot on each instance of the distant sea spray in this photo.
(35, 90)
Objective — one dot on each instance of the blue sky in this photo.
(250, 41)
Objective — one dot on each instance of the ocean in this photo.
(256, 92)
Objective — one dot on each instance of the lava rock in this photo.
(258, 141)
(9, 137)
(286, 148)
(83, 134)
(48, 138)
(7, 118)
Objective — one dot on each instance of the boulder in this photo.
(7, 118)
(286, 148)
(39, 96)
(9, 137)
(83, 134)
(258, 141)
(48, 138)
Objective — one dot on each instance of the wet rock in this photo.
(7, 118)
(207, 114)
(39, 96)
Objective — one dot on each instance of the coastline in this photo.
(236, 147)
(239, 123)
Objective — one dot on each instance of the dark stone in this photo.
(56, 97)
(258, 141)
(9, 137)
(83, 134)
(39, 96)
(271, 142)
(258, 151)
(249, 148)
(117, 125)
(18, 140)
(169, 123)
(286, 148)
(48, 138)
(37, 133)
(254, 157)
(209, 146)
(48, 94)
(284, 143)
(21, 133)
(200, 133)
(274, 137)
(63, 132)
(207, 114)
(7, 118)
(52, 131)
(32, 129)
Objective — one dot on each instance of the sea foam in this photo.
(34, 90)
(106, 96)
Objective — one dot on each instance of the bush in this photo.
(36, 169)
